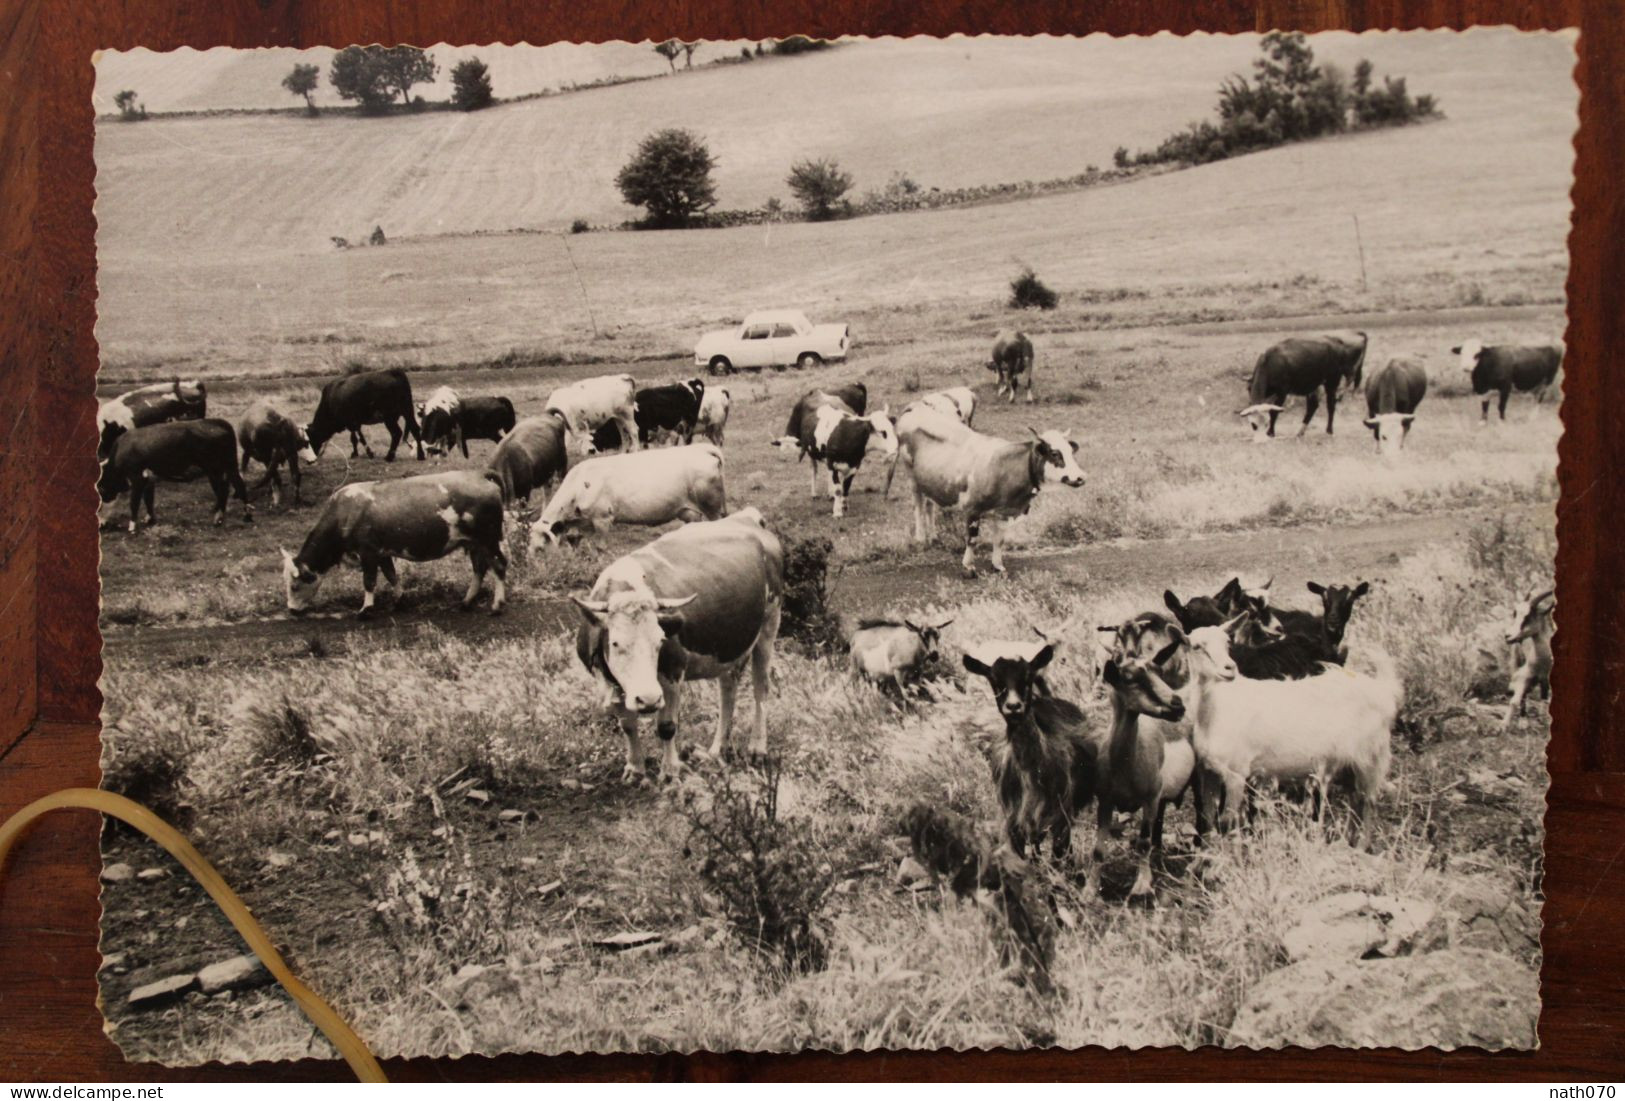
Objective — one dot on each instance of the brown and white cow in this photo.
(648, 488)
(986, 478)
(714, 410)
(269, 437)
(699, 603)
(154, 404)
(591, 402)
(1012, 358)
(420, 519)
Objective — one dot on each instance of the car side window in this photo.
(756, 332)
(784, 328)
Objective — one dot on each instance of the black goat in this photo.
(1337, 605)
(1045, 771)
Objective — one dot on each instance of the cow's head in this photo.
(1209, 649)
(1012, 679)
(634, 625)
(1469, 352)
(1532, 619)
(1337, 602)
(299, 583)
(1389, 428)
(545, 533)
(1140, 681)
(1258, 419)
(1059, 453)
(882, 433)
(314, 440)
(697, 388)
(930, 637)
(109, 481)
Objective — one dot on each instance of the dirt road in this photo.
(1292, 555)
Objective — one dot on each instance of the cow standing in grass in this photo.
(270, 438)
(155, 404)
(1498, 369)
(1306, 366)
(420, 519)
(1011, 361)
(368, 397)
(529, 458)
(142, 456)
(700, 603)
(1391, 398)
(587, 405)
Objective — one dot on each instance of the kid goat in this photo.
(1530, 636)
(1291, 729)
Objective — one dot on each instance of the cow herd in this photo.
(1207, 694)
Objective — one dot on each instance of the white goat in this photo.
(1291, 729)
(1530, 637)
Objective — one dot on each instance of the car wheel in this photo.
(721, 366)
(808, 360)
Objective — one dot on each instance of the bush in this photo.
(579, 226)
(800, 44)
(471, 85)
(807, 618)
(1028, 291)
(767, 870)
(374, 75)
(128, 109)
(820, 186)
(670, 176)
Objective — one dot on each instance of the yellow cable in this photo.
(321, 1014)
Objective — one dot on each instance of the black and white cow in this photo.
(672, 410)
(699, 603)
(1391, 398)
(529, 458)
(986, 478)
(155, 404)
(419, 518)
(486, 417)
(1307, 366)
(368, 397)
(1498, 369)
(270, 438)
(828, 431)
(1012, 358)
(440, 420)
(170, 451)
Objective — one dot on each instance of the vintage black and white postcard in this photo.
(973, 542)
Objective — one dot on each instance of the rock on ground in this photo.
(1353, 924)
(1447, 999)
(117, 873)
(162, 992)
(237, 973)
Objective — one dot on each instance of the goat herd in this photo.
(1208, 695)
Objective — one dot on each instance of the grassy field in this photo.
(215, 264)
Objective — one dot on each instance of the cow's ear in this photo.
(1317, 588)
(974, 665)
(671, 624)
(1042, 658)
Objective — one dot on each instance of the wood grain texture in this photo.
(49, 648)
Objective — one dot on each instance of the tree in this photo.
(373, 75)
(125, 102)
(670, 175)
(471, 85)
(669, 50)
(820, 187)
(302, 82)
(688, 54)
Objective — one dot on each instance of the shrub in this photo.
(768, 870)
(670, 176)
(800, 44)
(1028, 291)
(820, 186)
(151, 771)
(471, 85)
(807, 618)
(669, 50)
(1120, 157)
(374, 75)
(302, 81)
(579, 226)
(128, 109)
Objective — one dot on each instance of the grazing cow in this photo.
(529, 458)
(699, 603)
(986, 478)
(591, 402)
(661, 411)
(441, 421)
(646, 487)
(1012, 358)
(1305, 365)
(1308, 729)
(1391, 398)
(895, 650)
(419, 518)
(155, 404)
(170, 451)
(1045, 770)
(714, 409)
(368, 397)
(1530, 638)
(1502, 368)
(268, 437)
(1142, 769)
(832, 433)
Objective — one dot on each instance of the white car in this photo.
(771, 338)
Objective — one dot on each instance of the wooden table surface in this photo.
(50, 1028)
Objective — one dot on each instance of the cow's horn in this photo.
(667, 603)
(592, 607)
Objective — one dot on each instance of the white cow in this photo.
(592, 402)
(648, 487)
(714, 410)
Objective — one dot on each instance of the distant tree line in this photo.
(1290, 98)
